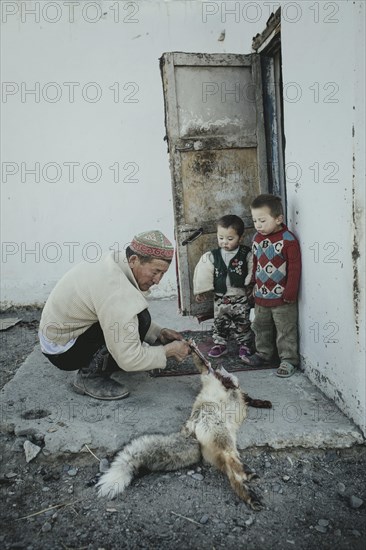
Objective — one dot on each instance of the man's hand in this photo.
(178, 350)
(168, 335)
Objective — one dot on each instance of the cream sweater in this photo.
(105, 291)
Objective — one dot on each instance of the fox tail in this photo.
(148, 453)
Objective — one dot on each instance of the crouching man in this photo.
(96, 319)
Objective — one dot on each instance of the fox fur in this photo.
(210, 432)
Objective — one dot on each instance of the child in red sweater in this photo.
(276, 274)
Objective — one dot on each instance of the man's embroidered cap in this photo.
(154, 244)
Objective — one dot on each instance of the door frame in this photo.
(268, 46)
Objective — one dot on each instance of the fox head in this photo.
(228, 380)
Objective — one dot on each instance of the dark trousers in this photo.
(88, 343)
(277, 326)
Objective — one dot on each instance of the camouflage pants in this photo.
(231, 317)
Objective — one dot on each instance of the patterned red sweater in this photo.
(276, 268)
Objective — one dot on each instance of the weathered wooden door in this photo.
(215, 133)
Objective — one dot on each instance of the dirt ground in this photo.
(312, 498)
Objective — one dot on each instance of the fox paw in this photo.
(256, 505)
(252, 475)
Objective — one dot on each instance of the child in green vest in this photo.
(227, 271)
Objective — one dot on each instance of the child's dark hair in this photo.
(232, 221)
(271, 201)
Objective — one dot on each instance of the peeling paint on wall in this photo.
(327, 385)
(356, 226)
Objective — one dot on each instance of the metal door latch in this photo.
(186, 147)
(193, 237)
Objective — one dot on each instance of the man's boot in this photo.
(94, 380)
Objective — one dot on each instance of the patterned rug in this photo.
(230, 361)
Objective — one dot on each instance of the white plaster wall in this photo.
(328, 215)
(40, 218)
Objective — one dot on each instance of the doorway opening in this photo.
(268, 46)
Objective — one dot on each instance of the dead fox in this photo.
(210, 432)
